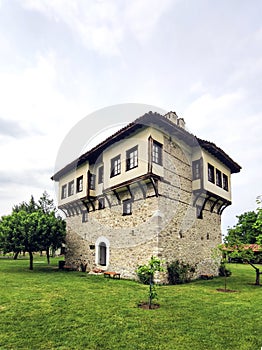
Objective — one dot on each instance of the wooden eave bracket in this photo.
(117, 196)
(155, 186)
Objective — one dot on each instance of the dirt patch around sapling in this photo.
(145, 305)
(227, 290)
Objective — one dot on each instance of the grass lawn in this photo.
(52, 309)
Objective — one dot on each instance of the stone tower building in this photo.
(152, 188)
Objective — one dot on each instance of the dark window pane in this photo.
(101, 203)
(196, 169)
(101, 174)
(63, 192)
(132, 158)
(79, 184)
(218, 178)
(84, 216)
(127, 207)
(225, 182)
(157, 153)
(115, 166)
(71, 188)
(92, 182)
(211, 173)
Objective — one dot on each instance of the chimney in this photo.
(171, 116)
(181, 123)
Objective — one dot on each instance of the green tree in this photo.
(29, 207)
(51, 227)
(258, 222)
(154, 265)
(46, 204)
(51, 230)
(248, 230)
(248, 256)
(32, 227)
(245, 231)
(19, 232)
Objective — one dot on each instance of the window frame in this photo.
(211, 173)
(127, 207)
(63, 191)
(132, 158)
(79, 184)
(100, 174)
(218, 178)
(71, 188)
(225, 184)
(101, 203)
(115, 166)
(84, 216)
(196, 169)
(157, 152)
(92, 181)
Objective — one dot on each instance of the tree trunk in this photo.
(257, 283)
(150, 291)
(31, 260)
(48, 256)
(16, 255)
(225, 281)
(257, 277)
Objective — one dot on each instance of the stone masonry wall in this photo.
(164, 226)
(133, 238)
(183, 236)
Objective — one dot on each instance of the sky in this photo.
(63, 60)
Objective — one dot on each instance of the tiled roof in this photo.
(156, 120)
(253, 247)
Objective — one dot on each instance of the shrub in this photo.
(143, 276)
(224, 271)
(154, 265)
(179, 272)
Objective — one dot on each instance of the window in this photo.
(101, 174)
(92, 182)
(196, 169)
(127, 207)
(115, 166)
(79, 184)
(157, 152)
(101, 203)
(84, 216)
(132, 158)
(63, 191)
(211, 173)
(225, 182)
(218, 178)
(71, 188)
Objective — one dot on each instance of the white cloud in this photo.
(227, 121)
(142, 16)
(208, 110)
(95, 22)
(35, 111)
(102, 25)
(32, 97)
(197, 87)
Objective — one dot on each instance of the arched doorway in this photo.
(102, 254)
